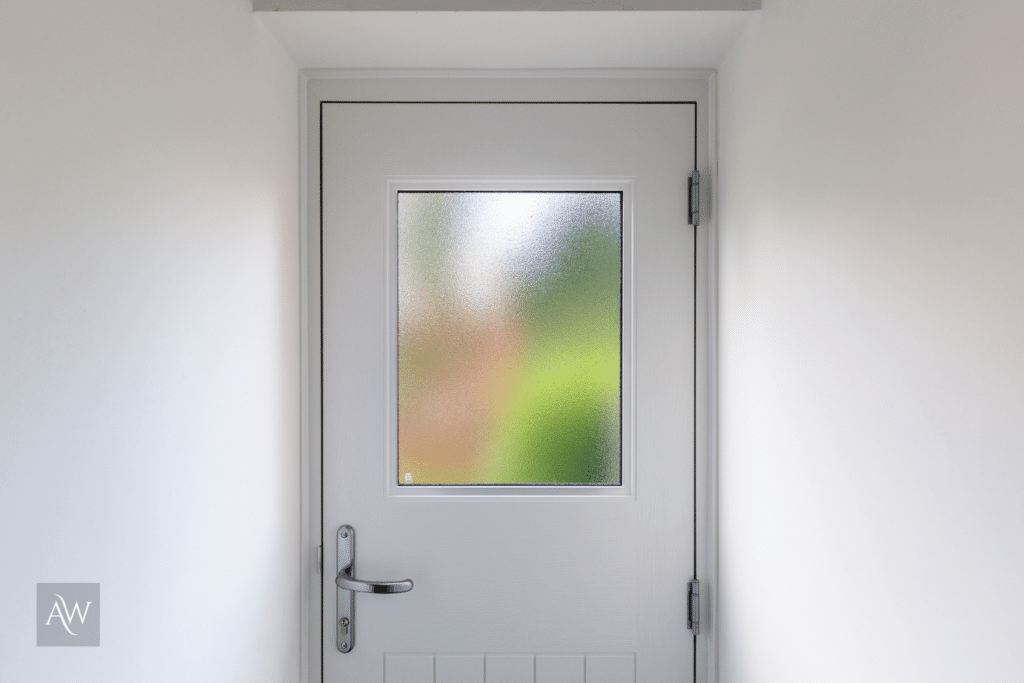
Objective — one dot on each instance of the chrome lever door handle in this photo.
(348, 585)
(351, 584)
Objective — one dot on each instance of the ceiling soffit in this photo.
(502, 5)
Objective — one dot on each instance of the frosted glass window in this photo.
(509, 338)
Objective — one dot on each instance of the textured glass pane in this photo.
(509, 337)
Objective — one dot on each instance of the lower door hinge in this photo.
(693, 611)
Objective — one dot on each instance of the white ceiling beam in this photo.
(502, 5)
(507, 40)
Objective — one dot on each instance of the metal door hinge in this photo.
(693, 612)
(320, 560)
(695, 198)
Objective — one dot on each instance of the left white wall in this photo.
(149, 375)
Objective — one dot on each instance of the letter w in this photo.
(75, 610)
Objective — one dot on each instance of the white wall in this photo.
(872, 343)
(149, 338)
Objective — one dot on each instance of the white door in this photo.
(515, 578)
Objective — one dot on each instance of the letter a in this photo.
(55, 612)
(60, 614)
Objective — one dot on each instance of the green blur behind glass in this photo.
(509, 338)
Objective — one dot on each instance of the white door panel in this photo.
(562, 583)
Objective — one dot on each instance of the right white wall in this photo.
(872, 343)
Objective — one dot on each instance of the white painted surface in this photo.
(506, 40)
(872, 327)
(613, 668)
(560, 668)
(503, 5)
(594, 559)
(509, 668)
(149, 338)
(409, 669)
(458, 669)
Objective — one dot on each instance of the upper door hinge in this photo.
(694, 198)
(320, 560)
(693, 611)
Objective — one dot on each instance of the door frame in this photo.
(316, 85)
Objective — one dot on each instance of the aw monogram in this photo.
(68, 614)
(64, 615)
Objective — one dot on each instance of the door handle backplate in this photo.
(348, 585)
